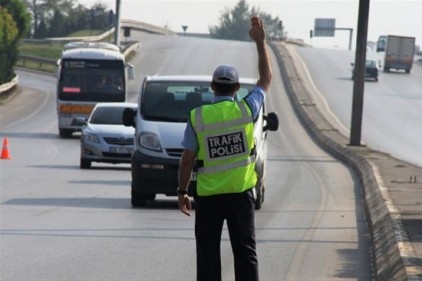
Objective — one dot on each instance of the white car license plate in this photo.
(121, 149)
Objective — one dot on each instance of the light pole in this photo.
(117, 24)
(358, 82)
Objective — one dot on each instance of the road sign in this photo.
(324, 27)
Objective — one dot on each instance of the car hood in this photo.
(110, 129)
(170, 133)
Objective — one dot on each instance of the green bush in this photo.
(51, 51)
(8, 35)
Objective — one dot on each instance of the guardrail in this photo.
(138, 25)
(85, 38)
(42, 62)
(8, 88)
(49, 65)
(9, 85)
(134, 24)
(24, 60)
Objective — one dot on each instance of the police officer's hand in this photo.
(184, 204)
(257, 32)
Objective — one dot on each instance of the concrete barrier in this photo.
(7, 86)
(134, 24)
(7, 89)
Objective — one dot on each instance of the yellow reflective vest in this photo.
(226, 155)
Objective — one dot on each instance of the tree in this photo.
(17, 10)
(73, 16)
(76, 19)
(8, 33)
(41, 30)
(99, 16)
(271, 25)
(44, 10)
(57, 25)
(33, 7)
(234, 24)
(14, 24)
(8, 28)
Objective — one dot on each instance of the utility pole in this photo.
(117, 24)
(359, 78)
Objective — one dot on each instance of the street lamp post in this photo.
(358, 83)
(117, 24)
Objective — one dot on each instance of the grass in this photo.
(53, 50)
(36, 65)
(49, 50)
(86, 32)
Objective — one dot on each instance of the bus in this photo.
(88, 73)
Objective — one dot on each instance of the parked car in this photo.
(371, 70)
(104, 138)
(160, 122)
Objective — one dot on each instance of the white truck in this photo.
(399, 52)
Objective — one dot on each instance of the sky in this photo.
(398, 17)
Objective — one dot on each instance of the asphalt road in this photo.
(392, 198)
(62, 223)
(392, 110)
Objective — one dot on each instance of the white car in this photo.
(160, 122)
(104, 138)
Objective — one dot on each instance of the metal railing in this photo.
(24, 61)
(42, 62)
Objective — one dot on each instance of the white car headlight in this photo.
(90, 137)
(150, 141)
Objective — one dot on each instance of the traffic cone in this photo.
(5, 154)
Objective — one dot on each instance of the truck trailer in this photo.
(399, 52)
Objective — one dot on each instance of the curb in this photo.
(386, 229)
(6, 97)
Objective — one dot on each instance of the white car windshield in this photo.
(172, 101)
(107, 116)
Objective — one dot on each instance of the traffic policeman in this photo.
(219, 140)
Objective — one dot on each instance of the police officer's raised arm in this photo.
(257, 33)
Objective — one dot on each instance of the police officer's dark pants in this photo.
(210, 213)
